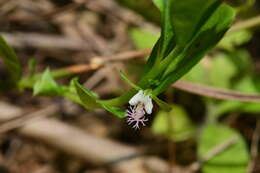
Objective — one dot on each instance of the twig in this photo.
(23, 119)
(43, 41)
(49, 15)
(66, 8)
(213, 152)
(68, 138)
(254, 147)
(74, 141)
(252, 22)
(216, 93)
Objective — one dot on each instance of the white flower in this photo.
(144, 100)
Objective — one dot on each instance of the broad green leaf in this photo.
(218, 76)
(46, 85)
(174, 125)
(143, 39)
(233, 39)
(188, 16)
(243, 62)
(197, 74)
(207, 38)
(88, 98)
(10, 60)
(234, 159)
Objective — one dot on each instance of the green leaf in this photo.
(197, 74)
(115, 110)
(166, 42)
(159, 4)
(88, 98)
(234, 159)
(174, 125)
(10, 60)
(218, 76)
(70, 92)
(189, 16)
(143, 39)
(233, 39)
(207, 38)
(46, 85)
(90, 101)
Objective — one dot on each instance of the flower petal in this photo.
(148, 105)
(137, 98)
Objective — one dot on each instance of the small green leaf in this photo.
(174, 125)
(10, 60)
(46, 85)
(115, 110)
(129, 82)
(88, 98)
(233, 159)
(70, 92)
(90, 101)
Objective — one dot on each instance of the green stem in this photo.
(159, 68)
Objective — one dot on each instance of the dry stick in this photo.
(23, 119)
(43, 41)
(66, 8)
(76, 142)
(54, 41)
(48, 15)
(216, 93)
(254, 147)
(212, 153)
(252, 22)
(68, 138)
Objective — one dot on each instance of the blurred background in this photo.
(54, 135)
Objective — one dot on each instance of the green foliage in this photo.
(188, 17)
(208, 35)
(174, 124)
(46, 85)
(32, 66)
(159, 4)
(144, 7)
(143, 39)
(233, 39)
(217, 75)
(88, 98)
(232, 71)
(233, 159)
(10, 60)
(90, 101)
